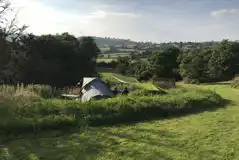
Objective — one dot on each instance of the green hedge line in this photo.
(59, 114)
(142, 92)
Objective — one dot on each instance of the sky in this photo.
(139, 20)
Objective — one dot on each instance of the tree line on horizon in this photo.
(218, 62)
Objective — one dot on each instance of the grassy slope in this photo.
(127, 79)
(109, 76)
(112, 57)
(208, 135)
(106, 60)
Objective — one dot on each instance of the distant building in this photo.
(131, 46)
(118, 46)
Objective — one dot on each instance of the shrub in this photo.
(121, 68)
(147, 93)
(60, 114)
(144, 76)
(195, 81)
(235, 84)
(191, 81)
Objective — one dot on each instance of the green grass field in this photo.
(126, 79)
(212, 134)
(107, 60)
(109, 76)
(104, 49)
(112, 57)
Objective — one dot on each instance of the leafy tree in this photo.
(194, 65)
(123, 65)
(162, 64)
(58, 60)
(224, 60)
(215, 63)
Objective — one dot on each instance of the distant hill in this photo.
(121, 45)
(101, 42)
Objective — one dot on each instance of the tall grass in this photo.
(44, 114)
(25, 92)
(235, 84)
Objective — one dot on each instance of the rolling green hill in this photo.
(100, 41)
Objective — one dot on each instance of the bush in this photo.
(144, 76)
(195, 81)
(121, 86)
(191, 81)
(59, 114)
(111, 64)
(121, 68)
(147, 93)
(235, 84)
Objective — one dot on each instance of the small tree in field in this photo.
(162, 64)
(123, 65)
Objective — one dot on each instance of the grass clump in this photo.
(30, 92)
(127, 79)
(235, 84)
(61, 114)
(143, 92)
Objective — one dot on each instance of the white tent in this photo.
(94, 87)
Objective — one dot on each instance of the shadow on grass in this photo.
(157, 113)
(74, 117)
(66, 145)
(94, 143)
(218, 83)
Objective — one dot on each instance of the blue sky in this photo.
(140, 20)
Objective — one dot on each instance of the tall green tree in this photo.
(123, 65)
(59, 60)
(224, 61)
(163, 63)
(194, 64)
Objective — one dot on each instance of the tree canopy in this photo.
(58, 60)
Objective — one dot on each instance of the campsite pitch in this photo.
(206, 135)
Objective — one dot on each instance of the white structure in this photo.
(94, 88)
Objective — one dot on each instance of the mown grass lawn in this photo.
(109, 76)
(127, 79)
(106, 60)
(208, 135)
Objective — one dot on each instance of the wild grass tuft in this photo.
(235, 84)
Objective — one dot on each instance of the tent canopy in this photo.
(97, 87)
(87, 80)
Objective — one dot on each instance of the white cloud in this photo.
(43, 19)
(225, 12)
(104, 21)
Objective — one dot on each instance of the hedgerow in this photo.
(62, 114)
